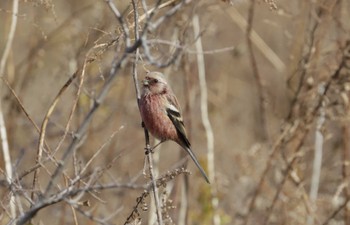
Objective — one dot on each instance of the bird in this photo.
(161, 114)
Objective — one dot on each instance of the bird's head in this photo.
(154, 83)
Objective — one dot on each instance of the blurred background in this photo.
(278, 106)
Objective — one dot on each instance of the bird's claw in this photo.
(148, 150)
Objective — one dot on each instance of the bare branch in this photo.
(3, 132)
(205, 119)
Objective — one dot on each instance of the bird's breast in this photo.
(155, 117)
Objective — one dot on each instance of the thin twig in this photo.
(21, 104)
(186, 49)
(316, 170)
(121, 21)
(64, 195)
(345, 166)
(158, 6)
(143, 36)
(153, 180)
(148, 150)
(277, 145)
(258, 78)
(342, 206)
(300, 136)
(84, 125)
(269, 54)
(205, 119)
(3, 132)
(281, 185)
(159, 182)
(98, 151)
(10, 37)
(43, 130)
(134, 66)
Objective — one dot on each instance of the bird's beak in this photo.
(145, 82)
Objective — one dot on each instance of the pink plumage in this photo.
(155, 117)
(161, 114)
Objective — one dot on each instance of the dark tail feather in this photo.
(194, 158)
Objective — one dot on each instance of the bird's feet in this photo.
(148, 150)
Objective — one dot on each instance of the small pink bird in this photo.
(161, 114)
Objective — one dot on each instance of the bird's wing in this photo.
(174, 114)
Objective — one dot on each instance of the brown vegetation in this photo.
(276, 116)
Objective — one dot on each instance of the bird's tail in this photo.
(194, 158)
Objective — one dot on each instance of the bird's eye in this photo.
(155, 80)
